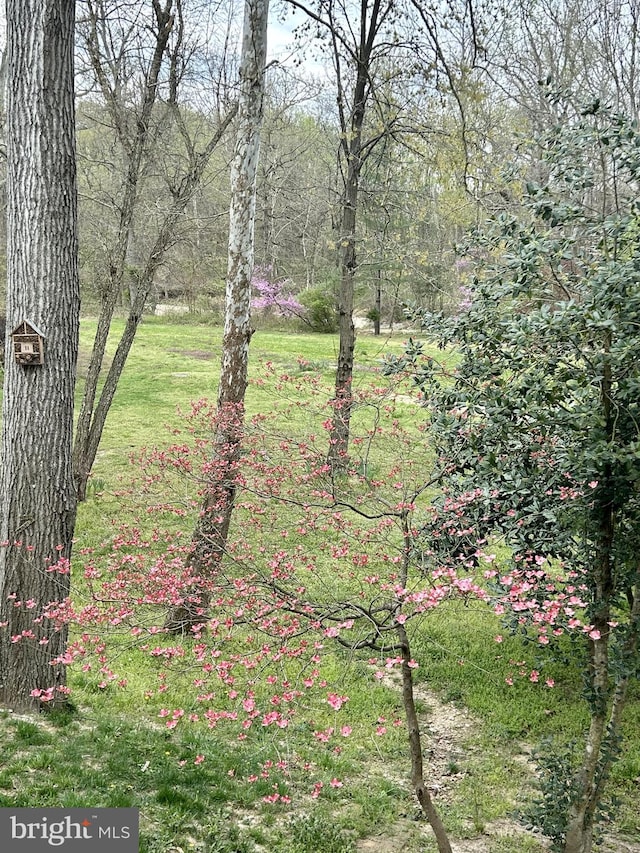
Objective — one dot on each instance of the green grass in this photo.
(171, 364)
(114, 750)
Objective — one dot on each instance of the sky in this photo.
(280, 41)
(281, 45)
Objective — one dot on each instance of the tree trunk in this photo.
(211, 531)
(378, 308)
(606, 703)
(351, 151)
(38, 504)
(93, 415)
(410, 713)
(133, 148)
(343, 401)
(415, 747)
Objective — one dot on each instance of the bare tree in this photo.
(138, 66)
(38, 506)
(358, 36)
(576, 49)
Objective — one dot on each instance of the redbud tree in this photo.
(274, 296)
(537, 428)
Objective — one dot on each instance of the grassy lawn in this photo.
(202, 789)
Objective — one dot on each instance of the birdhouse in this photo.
(28, 344)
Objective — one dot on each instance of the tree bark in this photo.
(93, 414)
(410, 712)
(37, 497)
(211, 531)
(133, 147)
(415, 747)
(351, 150)
(378, 306)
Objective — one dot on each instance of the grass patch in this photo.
(115, 751)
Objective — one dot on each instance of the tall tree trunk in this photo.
(133, 147)
(38, 504)
(211, 531)
(95, 408)
(352, 153)
(343, 401)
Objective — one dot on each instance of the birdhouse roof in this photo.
(26, 327)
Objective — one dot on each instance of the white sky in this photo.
(281, 45)
(280, 40)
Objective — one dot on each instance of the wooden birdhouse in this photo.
(28, 344)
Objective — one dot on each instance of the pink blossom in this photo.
(336, 701)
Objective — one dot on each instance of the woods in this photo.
(431, 216)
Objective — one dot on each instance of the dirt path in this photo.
(448, 730)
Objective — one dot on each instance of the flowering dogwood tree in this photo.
(537, 430)
(313, 562)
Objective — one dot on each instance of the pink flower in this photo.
(271, 798)
(345, 731)
(336, 701)
(335, 783)
(198, 759)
